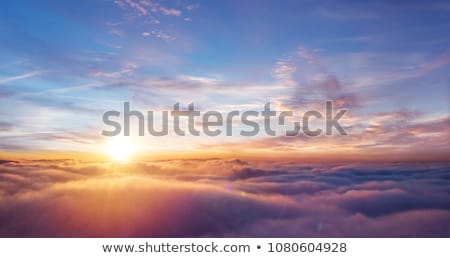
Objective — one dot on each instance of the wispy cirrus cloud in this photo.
(145, 7)
(158, 34)
(6, 80)
(167, 11)
(192, 7)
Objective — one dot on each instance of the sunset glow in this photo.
(120, 148)
(138, 118)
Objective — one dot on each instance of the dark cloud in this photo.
(218, 197)
(5, 126)
(249, 173)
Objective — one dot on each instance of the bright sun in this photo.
(119, 148)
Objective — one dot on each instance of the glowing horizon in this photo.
(381, 68)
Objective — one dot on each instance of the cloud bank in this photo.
(223, 198)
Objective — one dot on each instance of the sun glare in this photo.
(119, 148)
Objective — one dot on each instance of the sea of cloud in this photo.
(223, 198)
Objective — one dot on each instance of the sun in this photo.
(119, 148)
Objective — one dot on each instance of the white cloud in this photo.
(127, 68)
(19, 77)
(136, 6)
(162, 35)
(284, 71)
(167, 11)
(192, 7)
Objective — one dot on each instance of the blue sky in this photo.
(63, 63)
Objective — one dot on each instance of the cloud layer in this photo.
(222, 198)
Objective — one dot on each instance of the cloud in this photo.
(19, 77)
(222, 197)
(284, 72)
(126, 69)
(310, 82)
(159, 34)
(144, 8)
(171, 11)
(136, 6)
(391, 133)
(192, 7)
(6, 126)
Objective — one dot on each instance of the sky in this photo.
(63, 64)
